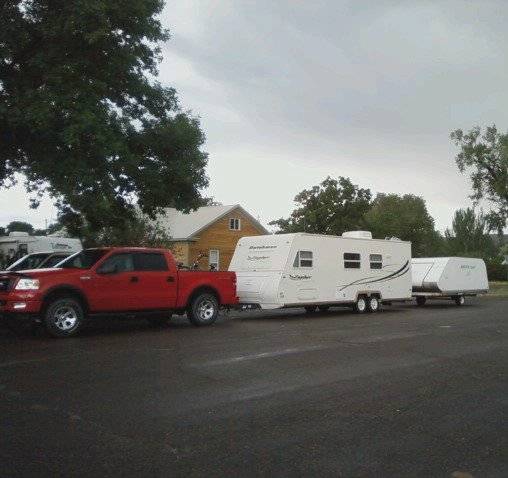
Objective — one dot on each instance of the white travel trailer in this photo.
(311, 271)
(19, 244)
(448, 277)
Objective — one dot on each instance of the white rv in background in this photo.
(19, 244)
(448, 277)
(311, 271)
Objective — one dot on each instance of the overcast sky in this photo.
(290, 92)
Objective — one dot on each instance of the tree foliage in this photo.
(19, 226)
(332, 207)
(82, 116)
(486, 157)
(469, 236)
(407, 218)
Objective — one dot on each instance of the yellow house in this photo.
(209, 234)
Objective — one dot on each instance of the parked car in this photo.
(38, 260)
(120, 281)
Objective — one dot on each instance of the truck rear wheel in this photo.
(203, 310)
(63, 317)
(360, 305)
(420, 301)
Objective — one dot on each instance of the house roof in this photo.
(185, 226)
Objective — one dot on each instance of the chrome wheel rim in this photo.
(374, 304)
(206, 310)
(361, 304)
(65, 318)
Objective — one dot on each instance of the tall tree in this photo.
(332, 207)
(20, 226)
(83, 117)
(407, 218)
(469, 236)
(486, 157)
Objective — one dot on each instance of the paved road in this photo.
(408, 392)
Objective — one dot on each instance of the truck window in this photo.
(303, 259)
(150, 261)
(31, 261)
(352, 260)
(121, 262)
(84, 259)
(376, 261)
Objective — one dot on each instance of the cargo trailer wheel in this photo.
(63, 317)
(420, 301)
(360, 305)
(203, 310)
(459, 300)
(310, 309)
(373, 304)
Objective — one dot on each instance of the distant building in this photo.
(210, 232)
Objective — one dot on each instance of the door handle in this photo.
(134, 279)
(170, 279)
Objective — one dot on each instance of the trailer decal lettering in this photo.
(299, 277)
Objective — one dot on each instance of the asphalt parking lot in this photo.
(407, 392)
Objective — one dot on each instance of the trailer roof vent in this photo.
(358, 234)
(18, 234)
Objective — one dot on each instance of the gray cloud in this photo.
(292, 91)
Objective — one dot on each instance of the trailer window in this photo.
(352, 260)
(303, 259)
(376, 261)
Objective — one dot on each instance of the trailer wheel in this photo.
(310, 309)
(203, 310)
(373, 304)
(420, 301)
(360, 305)
(459, 300)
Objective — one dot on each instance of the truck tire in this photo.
(310, 309)
(203, 310)
(420, 301)
(373, 304)
(459, 300)
(63, 317)
(360, 305)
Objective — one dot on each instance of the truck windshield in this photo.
(84, 259)
(32, 261)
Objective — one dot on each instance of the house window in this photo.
(234, 224)
(303, 259)
(376, 261)
(352, 260)
(213, 259)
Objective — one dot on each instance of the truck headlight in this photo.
(27, 284)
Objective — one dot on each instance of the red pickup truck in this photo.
(121, 281)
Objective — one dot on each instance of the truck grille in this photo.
(5, 283)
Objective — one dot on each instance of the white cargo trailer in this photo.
(311, 271)
(448, 277)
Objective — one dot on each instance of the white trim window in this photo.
(303, 259)
(352, 260)
(213, 259)
(235, 224)
(376, 261)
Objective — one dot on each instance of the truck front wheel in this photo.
(63, 317)
(203, 310)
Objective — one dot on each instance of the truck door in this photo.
(113, 286)
(157, 285)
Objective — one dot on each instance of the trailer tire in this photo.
(203, 310)
(420, 301)
(459, 300)
(373, 304)
(360, 306)
(310, 309)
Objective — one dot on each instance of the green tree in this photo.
(20, 226)
(486, 157)
(469, 236)
(83, 117)
(407, 218)
(2, 231)
(332, 207)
